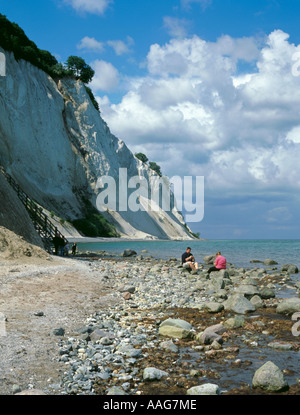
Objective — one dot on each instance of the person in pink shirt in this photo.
(220, 263)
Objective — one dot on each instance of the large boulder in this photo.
(290, 268)
(151, 373)
(247, 290)
(269, 378)
(289, 306)
(175, 328)
(175, 332)
(238, 304)
(174, 322)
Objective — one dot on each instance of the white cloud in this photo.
(90, 43)
(278, 215)
(106, 76)
(294, 135)
(90, 6)
(195, 114)
(176, 27)
(245, 48)
(120, 47)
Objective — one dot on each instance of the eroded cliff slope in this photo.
(56, 146)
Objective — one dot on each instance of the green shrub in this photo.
(94, 224)
(92, 97)
(13, 39)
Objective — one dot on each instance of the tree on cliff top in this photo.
(80, 69)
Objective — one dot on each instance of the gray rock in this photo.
(84, 330)
(209, 259)
(267, 293)
(223, 274)
(115, 390)
(281, 345)
(175, 332)
(234, 322)
(98, 334)
(217, 284)
(257, 302)
(129, 253)
(211, 334)
(214, 307)
(128, 289)
(131, 352)
(216, 328)
(247, 290)
(270, 378)
(206, 389)
(238, 304)
(270, 262)
(290, 268)
(59, 332)
(208, 337)
(177, 323)
(289, 306)
(16, 389)
(151, 373)
(106, 341)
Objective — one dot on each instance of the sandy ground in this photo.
(66, 291)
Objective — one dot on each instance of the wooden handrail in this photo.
(42, 224)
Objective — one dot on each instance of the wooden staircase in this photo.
(40, 220)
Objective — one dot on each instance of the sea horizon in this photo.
(239, 252)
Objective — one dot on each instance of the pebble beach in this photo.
(175, 332)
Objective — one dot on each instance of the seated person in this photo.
(188, 260)
(220, 263)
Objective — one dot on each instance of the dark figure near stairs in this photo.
(58, 242)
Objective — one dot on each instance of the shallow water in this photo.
(237, 252)
(253, 351)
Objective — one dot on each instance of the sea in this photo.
(239, 253)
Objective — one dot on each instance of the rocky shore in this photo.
(149, 327)
(186, 333)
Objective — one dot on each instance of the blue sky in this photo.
(212, 87)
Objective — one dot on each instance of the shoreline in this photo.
(99, 240)
(128, 298)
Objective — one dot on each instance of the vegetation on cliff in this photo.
(13, 39)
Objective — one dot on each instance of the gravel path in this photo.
(36, 297)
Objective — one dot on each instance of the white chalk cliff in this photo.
(56, 146)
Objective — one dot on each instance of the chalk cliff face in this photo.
(56, 146)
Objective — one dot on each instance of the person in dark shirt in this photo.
(188, 260)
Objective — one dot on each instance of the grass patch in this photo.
(93, 224)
